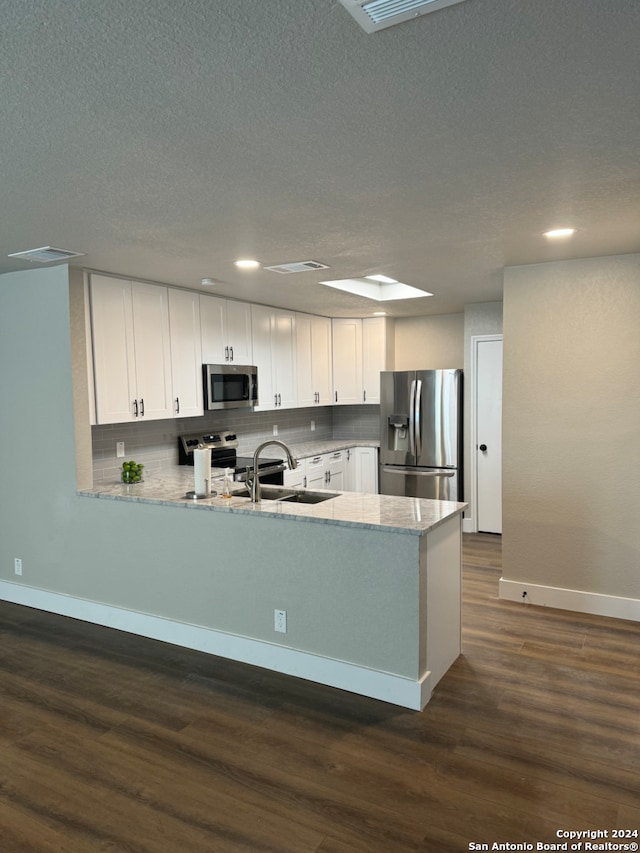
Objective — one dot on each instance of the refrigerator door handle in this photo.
(414, 472)
(417, 409)
(412, 418)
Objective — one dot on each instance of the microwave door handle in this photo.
(418, 417)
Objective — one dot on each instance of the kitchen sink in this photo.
(298, 496)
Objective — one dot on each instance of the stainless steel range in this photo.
(223, 447)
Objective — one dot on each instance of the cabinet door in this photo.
(307, 393)
(317, 472)
(261, 334)
(283, 358)
(239, 332)
(296, 478)
(373, 357)
(349, 484)
(212, 329)
(113, 349)
(152, 350)
(366, 469)
(313, 360)
(321, 359)
(335, 468)
(347, 361)
(186, 353)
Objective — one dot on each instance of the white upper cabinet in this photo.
(377, 355)
(226, 331)
(131, 350)
(313, 360)
(347, 361)
(361, 349)
(274, 354)
(186, 353)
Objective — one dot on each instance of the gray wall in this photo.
(571, 425)
(429, 343)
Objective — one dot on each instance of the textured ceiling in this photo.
(164, 138)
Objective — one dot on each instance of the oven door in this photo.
(230, 386)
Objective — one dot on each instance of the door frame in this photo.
(473, 443)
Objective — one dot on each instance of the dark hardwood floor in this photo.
(111, 742)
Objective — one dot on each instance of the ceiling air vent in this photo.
(374, 15)
(298, 266)
(45, 255)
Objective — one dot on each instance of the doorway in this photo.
(486, 443)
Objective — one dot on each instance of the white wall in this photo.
(571, 426)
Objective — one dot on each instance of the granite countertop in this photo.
(329, 445)
(378, 512)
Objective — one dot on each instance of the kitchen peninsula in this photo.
(370, 583)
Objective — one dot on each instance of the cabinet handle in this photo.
(226, 353)
(279, 399)
(177, 405)
(364, 396)
(275, 399)
(135, 408)
(231, 352)
(304, 480)
(336, 396)
(141, 407)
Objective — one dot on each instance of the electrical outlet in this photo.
(17, 566)
(275, 429)
(313, 426)
(120, 449)
(280, 621)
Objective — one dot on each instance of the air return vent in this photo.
(374, 15)
(298, 266)
(45, 255)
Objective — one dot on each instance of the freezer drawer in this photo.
(440, 484)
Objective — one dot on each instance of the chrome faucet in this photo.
(255, 480)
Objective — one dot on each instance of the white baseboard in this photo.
(571, 599)
(334, 673)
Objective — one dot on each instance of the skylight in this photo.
(381, 288)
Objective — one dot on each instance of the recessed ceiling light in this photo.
(559, 232)
(247, 264)
(207, 282)
(381, 292)
(379, 313)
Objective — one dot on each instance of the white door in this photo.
(488, 450)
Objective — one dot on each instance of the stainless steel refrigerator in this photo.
(421, 434)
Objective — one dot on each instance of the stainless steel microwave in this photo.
(230, 386)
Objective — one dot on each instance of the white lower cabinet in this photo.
(361, 470)
(324, 471)
(366, 469)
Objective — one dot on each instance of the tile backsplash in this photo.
(155, 443)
